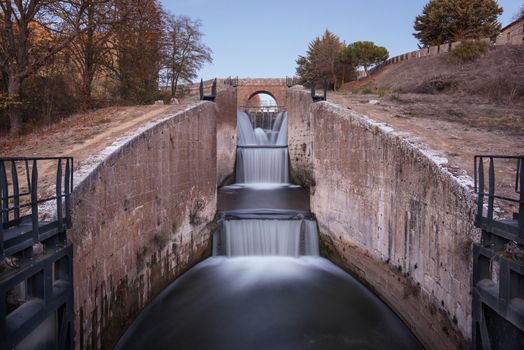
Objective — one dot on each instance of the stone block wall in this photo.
(512, 34)
(247, 87)
(226, 101)
(395, 218)
(141, 218)
(299, 136)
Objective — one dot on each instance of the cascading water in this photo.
(262, 155)
(267, 237)
(265, 286)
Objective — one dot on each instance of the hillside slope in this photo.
(497, 74)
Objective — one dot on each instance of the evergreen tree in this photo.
(322, 63)
(364, 54)
(445, 21)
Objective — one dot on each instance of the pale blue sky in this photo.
(255, 38)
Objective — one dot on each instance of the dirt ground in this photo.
(82, 136)
(460, 127)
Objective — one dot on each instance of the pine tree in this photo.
(445, 21)
(364, 54)
(322, 63)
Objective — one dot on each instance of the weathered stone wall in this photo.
(141, 218)
(275, 87)
(512, 34)
(226, 101)
(299, 135)
(399, 221)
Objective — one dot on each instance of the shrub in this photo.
(437, 84)
(469, 50)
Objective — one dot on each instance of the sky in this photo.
(255, 38)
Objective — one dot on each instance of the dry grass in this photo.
(497, 75)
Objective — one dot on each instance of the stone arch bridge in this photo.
(249, 87)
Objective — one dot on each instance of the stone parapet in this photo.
(391, 213)
(142, 217)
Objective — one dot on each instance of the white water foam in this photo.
(267, 237)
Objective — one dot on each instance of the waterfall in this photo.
(261, 137)
(245, 132)
(250, 135)
(264, 164)
(267, 237)
(262, 157)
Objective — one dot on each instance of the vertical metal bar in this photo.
(5, 193)
(3, 314)
(480, 199)
(16, 190)
(59, 215)
(28, 180)
(484, 334)
(491, 189)
(48, 282)
(214, 88)
(34, 200)
(67, 188)
(475, 173)
(521, 201)
(517, 187)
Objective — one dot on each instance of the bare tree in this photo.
(184, 51)
(136, 49)
(91, 49)
(33, 31)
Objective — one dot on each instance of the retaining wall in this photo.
(141, 218)
(226, 101)
(299, 136)
(391, 214)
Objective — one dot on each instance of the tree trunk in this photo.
(86, 94)
(173, 87)
(14, 112)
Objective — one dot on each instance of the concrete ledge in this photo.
(299, 135)
(142, 212)
(390, 212)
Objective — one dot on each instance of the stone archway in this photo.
(274, 87)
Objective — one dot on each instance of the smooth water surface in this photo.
(267, 303)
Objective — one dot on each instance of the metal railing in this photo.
(36, 284)
(262, 116)
(213, 95)
(314, 96)
(21, 200)
(498, 259)
(292, 81)
(513, 228)
(231, 81)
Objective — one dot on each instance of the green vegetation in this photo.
(363, 54)
(445, 21)
(321, 62)
(469, 50)
(328, 59)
